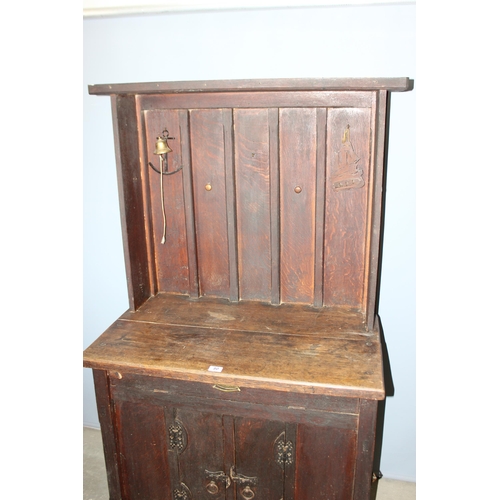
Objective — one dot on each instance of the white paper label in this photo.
(217, 369)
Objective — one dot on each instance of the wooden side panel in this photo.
(348, 180)
(297, 136)
(209, 187)
(172, 263)
(253, 205)
(255, 456)
(326, 459)
(204, 452)
(132, 207)
(106, 419)
(366, 449)
(143, 451)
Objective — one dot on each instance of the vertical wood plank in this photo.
(172, 265)
(298, 201)
(289, 486)
(229, 452)
(227, 119)
(142, 436)
(346, 207)
(380, 111)
(365, 449)
(204, 451)
(274, 178)
(255, 456)
(251, 129)
(130, 192)
(326, 459)
(187, 177)
(320, 206)
(209, 192)
(109, 440)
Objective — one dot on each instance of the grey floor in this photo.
(95, 486)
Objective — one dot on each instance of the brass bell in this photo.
(161, 146)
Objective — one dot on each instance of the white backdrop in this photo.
(364, 41)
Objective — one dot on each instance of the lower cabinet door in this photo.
(169, 452)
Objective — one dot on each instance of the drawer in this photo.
(285, 406)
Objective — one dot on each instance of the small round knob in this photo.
(208, 187)
(212, 488)
(298, 189)
(247, 493)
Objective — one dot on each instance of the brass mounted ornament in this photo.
(347, 174)
(162, 149)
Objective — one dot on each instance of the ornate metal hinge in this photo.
(182, 493)
(177, 436)
(283, 451)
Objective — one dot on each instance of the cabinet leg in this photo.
(105, 412)
(366, 449)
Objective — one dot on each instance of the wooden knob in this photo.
(298, 189)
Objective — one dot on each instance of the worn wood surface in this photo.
(167, 444)
(397, 84)
(256, 212)
(106, 414)
(131, 197)
(308, 353)
(269, 273)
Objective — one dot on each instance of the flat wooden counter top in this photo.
(288, 347)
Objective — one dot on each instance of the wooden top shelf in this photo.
(402, 84)
(288, 347)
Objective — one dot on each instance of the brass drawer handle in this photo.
(227, 388)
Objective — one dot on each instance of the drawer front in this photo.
(285, 406)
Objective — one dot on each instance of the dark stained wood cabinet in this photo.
(249, 364)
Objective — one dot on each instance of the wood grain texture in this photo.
(143, 451)
(105, 412)
(251, 129)
(269, 273)
(204, 450)
(365, 449)
(208, 160)
(320, 363)
(136, 388)
(132, 206)
(346, 211)
(172, 262)
(297, 210)
(326, 460)
(380, 119)
(397, 84)
(267, 100)
(255, 441)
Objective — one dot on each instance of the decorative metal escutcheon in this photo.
(177, 436)
(283, 451)
(182, 493)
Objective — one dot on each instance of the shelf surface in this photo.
(287, 347)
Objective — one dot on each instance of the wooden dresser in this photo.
(249, 364)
